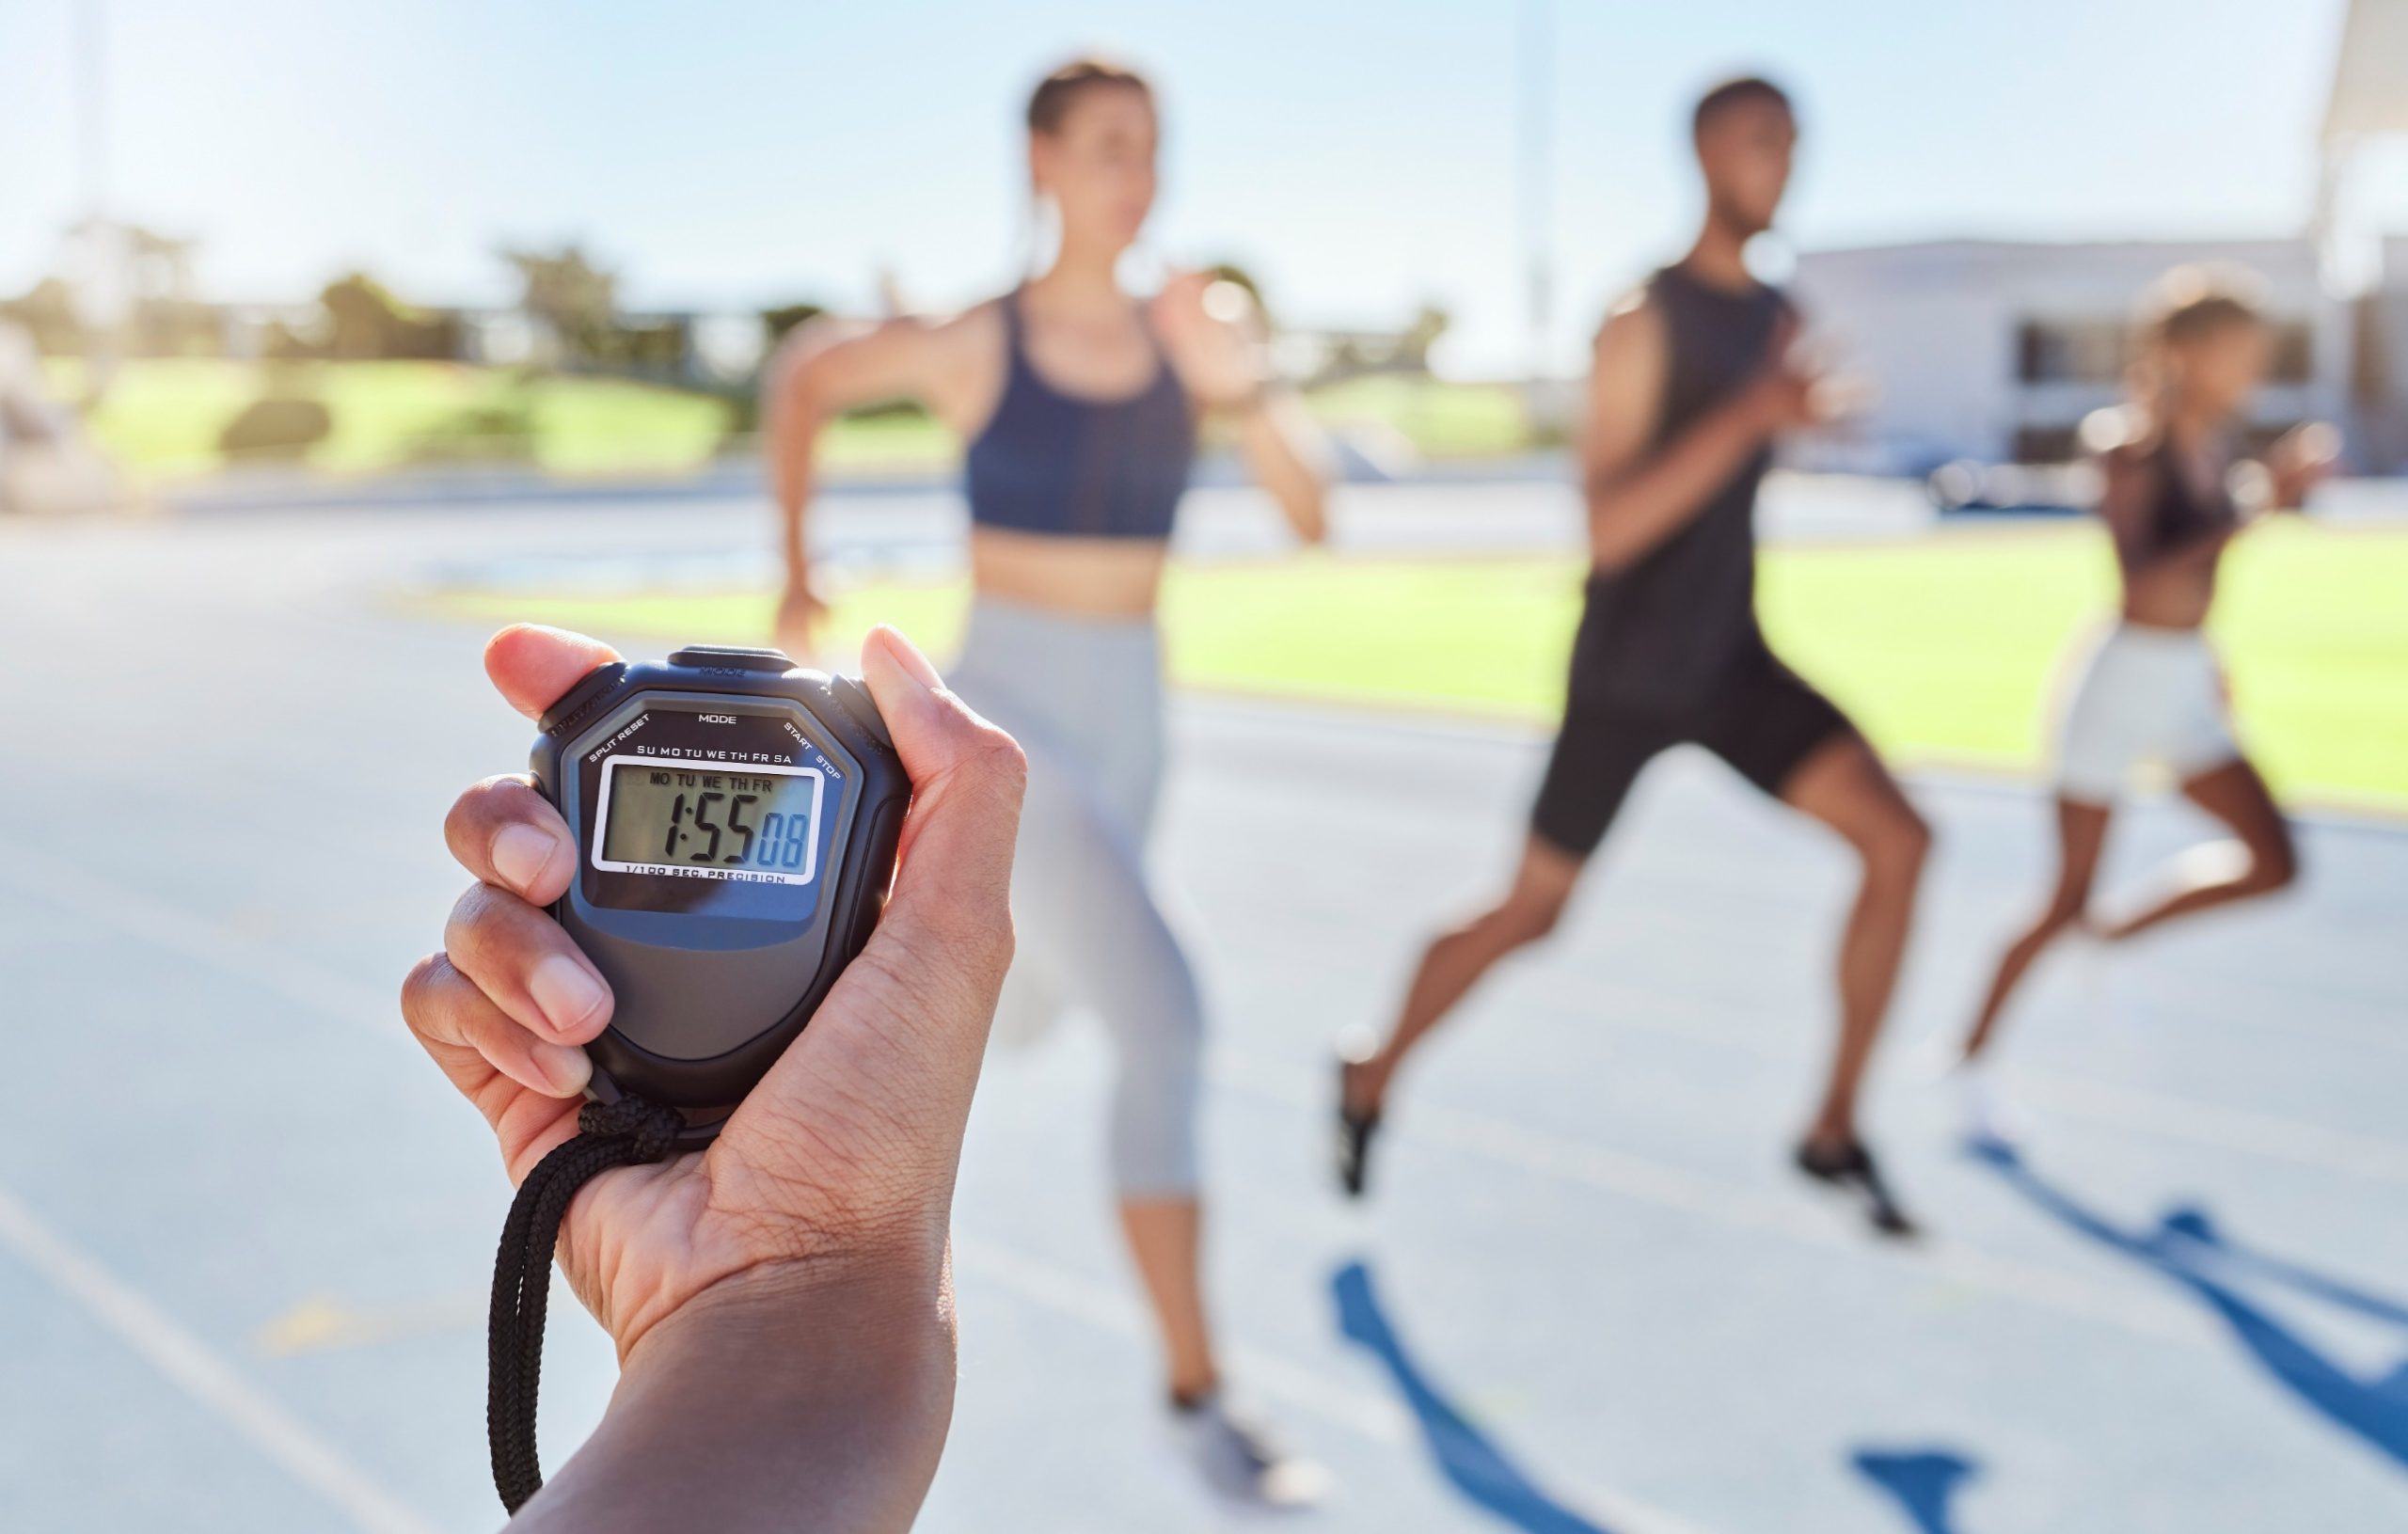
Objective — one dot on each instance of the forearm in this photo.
(793, 449)
(1632, 511)
(1287, 454)
(772, 1404)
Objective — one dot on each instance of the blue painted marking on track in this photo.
(1924, 1481)
(2187, 1248)
(1472, 1462)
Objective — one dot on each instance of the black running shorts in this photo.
(1764, 720)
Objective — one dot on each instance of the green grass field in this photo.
(1945, 647)
(162, 416)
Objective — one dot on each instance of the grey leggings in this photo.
(1083, 696)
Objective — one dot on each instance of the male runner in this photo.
(1692, 382)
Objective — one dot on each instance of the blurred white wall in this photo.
(1942, 331)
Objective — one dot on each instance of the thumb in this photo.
(533, 666)
(901, 1036)
(967, 778)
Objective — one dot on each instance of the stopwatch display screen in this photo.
(680, 819)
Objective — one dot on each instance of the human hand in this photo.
(2299, 461)
(1794, 389)
(841, 1161)
(802, 616)
(1215, 333)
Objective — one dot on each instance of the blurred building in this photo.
(1995, 349)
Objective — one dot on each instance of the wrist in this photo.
(1752, 406)
(887, 1304)
(825, 1383)
(1252, 399)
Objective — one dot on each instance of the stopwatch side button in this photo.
(578, 699)
(855, 700)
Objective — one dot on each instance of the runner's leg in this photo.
(2261, 859)
(2081, 832)
(1843, 784)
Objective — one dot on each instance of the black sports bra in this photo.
(1051, 462)
(2179, 515)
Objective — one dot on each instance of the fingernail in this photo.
(521, 853)
(565, 991)
(906, 655)
(565, 1065)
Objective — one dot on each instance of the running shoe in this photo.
(1241, 1461)
(1354, 1130)
(1850, 1168)
(1987, 1112)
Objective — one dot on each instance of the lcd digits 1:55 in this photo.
(757, 825)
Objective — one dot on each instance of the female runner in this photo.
(2151, 689)
(1080, 408)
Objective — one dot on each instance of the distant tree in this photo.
(1413, 345)
(777, 321)
(564, 292)
(363, 318)
(48, 313)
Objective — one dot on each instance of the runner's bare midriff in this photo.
(2177, 593)
(1088, 578)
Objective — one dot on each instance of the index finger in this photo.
(533, 664)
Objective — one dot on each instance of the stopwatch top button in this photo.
(731, 657)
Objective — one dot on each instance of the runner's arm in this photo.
(825, 366)
(1215, 335)
(1638, 497)
(1288, 456)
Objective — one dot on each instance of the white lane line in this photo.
(313, 984)
(1625, 1005)
(302, 981)
(1375, 713)
(2222, 1129)
(1111, 1309)
(188, 1364)
(318, 988)
(1793, 1218)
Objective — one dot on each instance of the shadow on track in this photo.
(2187, 1249)
(1924, 1481)
(1468, 1457)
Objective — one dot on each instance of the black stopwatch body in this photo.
(736, 819)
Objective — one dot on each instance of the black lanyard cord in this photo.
(628, 1132)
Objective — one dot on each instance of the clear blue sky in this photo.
(1358, 154)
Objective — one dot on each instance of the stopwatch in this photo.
(736, 818)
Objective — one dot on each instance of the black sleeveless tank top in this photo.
(1670, 628)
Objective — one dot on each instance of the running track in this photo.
(245, 1229)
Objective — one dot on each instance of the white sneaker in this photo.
(1241, 1460)
(1989, 1117)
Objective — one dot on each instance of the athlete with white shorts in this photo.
(2150, 691)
